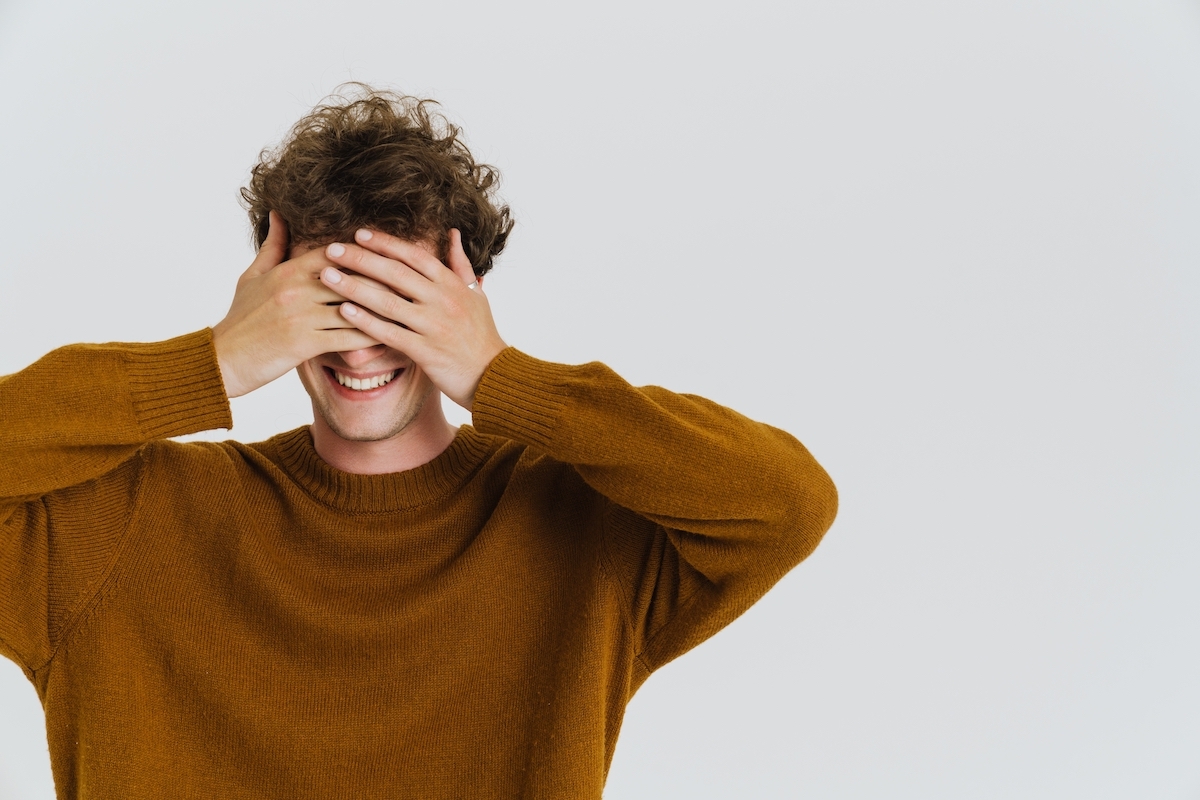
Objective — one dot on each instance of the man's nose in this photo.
(356, 358)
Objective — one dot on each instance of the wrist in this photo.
(489, 357)
(233, 386)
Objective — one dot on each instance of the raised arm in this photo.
(70, 427)
(72, 423)
(708, 508)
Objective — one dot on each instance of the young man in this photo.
(378, 605)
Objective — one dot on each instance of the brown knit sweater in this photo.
(244, 621)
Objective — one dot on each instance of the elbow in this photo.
(822, 501)
(810, 504)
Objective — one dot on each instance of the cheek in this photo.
(309, 375)
(423, 382)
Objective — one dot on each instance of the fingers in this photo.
(400, 285)
(368, 294)
(458, 262)
(407, 268)
(274, 249)
(389, 272)
(381, 330)
(408, 253)
(344, 339)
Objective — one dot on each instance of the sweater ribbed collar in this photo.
(393, 491)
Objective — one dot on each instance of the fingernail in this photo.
(363, 235)
(349, 310)
(336, 250)
(332, 275)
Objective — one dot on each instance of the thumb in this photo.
(274, 250)
(458, 262)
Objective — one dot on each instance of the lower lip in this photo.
(366, 394)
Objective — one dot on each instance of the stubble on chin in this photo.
(368, 430)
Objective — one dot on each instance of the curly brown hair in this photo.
(382, 160)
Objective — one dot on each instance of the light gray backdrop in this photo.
(951, 246)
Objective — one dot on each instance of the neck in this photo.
(419, 442)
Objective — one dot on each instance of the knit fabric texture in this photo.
(228, 620)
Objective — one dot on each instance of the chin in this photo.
(366, 427)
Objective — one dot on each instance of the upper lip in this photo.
(364, 376)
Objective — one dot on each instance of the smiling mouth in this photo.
(363, 384)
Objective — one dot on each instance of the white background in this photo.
(951, 246)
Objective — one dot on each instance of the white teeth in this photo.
(363, 384)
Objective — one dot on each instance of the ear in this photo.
(459, 264)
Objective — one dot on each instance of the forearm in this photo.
(82, 410)
(685, 463)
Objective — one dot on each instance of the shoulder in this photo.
(192, 465)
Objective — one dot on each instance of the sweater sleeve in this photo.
(71, 425)
(707, 509)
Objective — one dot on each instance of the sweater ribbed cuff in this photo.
(520, 398)
(176, 386)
